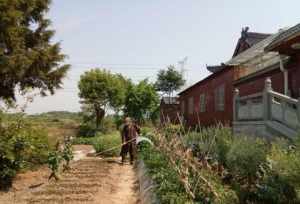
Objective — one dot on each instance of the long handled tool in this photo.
(138, 140)
(115, 147)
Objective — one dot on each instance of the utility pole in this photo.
(183, 70)
(182, 64)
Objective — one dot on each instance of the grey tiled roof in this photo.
(215, 69)
(254, 51)
(291, 32)
(250, 38)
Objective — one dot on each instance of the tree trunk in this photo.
(99, 115)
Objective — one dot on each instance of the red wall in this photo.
(294, 77)
(208, 86)
(256, 84)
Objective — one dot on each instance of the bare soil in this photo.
(91, 180)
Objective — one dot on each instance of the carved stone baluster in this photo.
(236, 104)
(267, 99)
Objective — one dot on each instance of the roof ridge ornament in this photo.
(244, 33)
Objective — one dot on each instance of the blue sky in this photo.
(137, 38)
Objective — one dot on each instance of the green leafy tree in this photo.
(28, 59)
(141, 101)
(101, 90)
(169, 80)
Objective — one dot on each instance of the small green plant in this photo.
(54, 161)
(67, 154)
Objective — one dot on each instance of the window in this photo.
(202, 103)
(220, 98)
(191, 105)
(182, 107)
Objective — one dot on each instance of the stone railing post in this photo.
(267, 100)
(236, 105)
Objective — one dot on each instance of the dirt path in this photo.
(91, 181)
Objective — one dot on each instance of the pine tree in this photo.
(28, 59)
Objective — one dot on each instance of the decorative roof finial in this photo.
(244, 32)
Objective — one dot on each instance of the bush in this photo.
(21, 146)
(108, 141)
(83, 140)
(108, 125)
(169, 188)
(259, 172)
(285, 161)
(246, 156)
(171, 130)
(173, 170)
(87, 130)
(213, 143)
(283, 180)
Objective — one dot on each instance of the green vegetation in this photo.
(213, 166)
(54, 161)
(169, 188)
(57, 124)
(28, 141)
(102, 142)
(100, 89)
(61, 153)
(22, 146)
(108, 141)
(142, 102)
(178, 177)
(169, 80)
(28, 57)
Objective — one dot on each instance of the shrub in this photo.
(286, 163)
(245, 157)
(176, 173)
(282, 184)
(169, 188)
(118, 120)
(210, 142)
(83, 140)
(106, 142)
(108, 125)
(257, 171)
(87, 130)
(171, 130)
(21, 146)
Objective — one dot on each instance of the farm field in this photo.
(90, 180)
